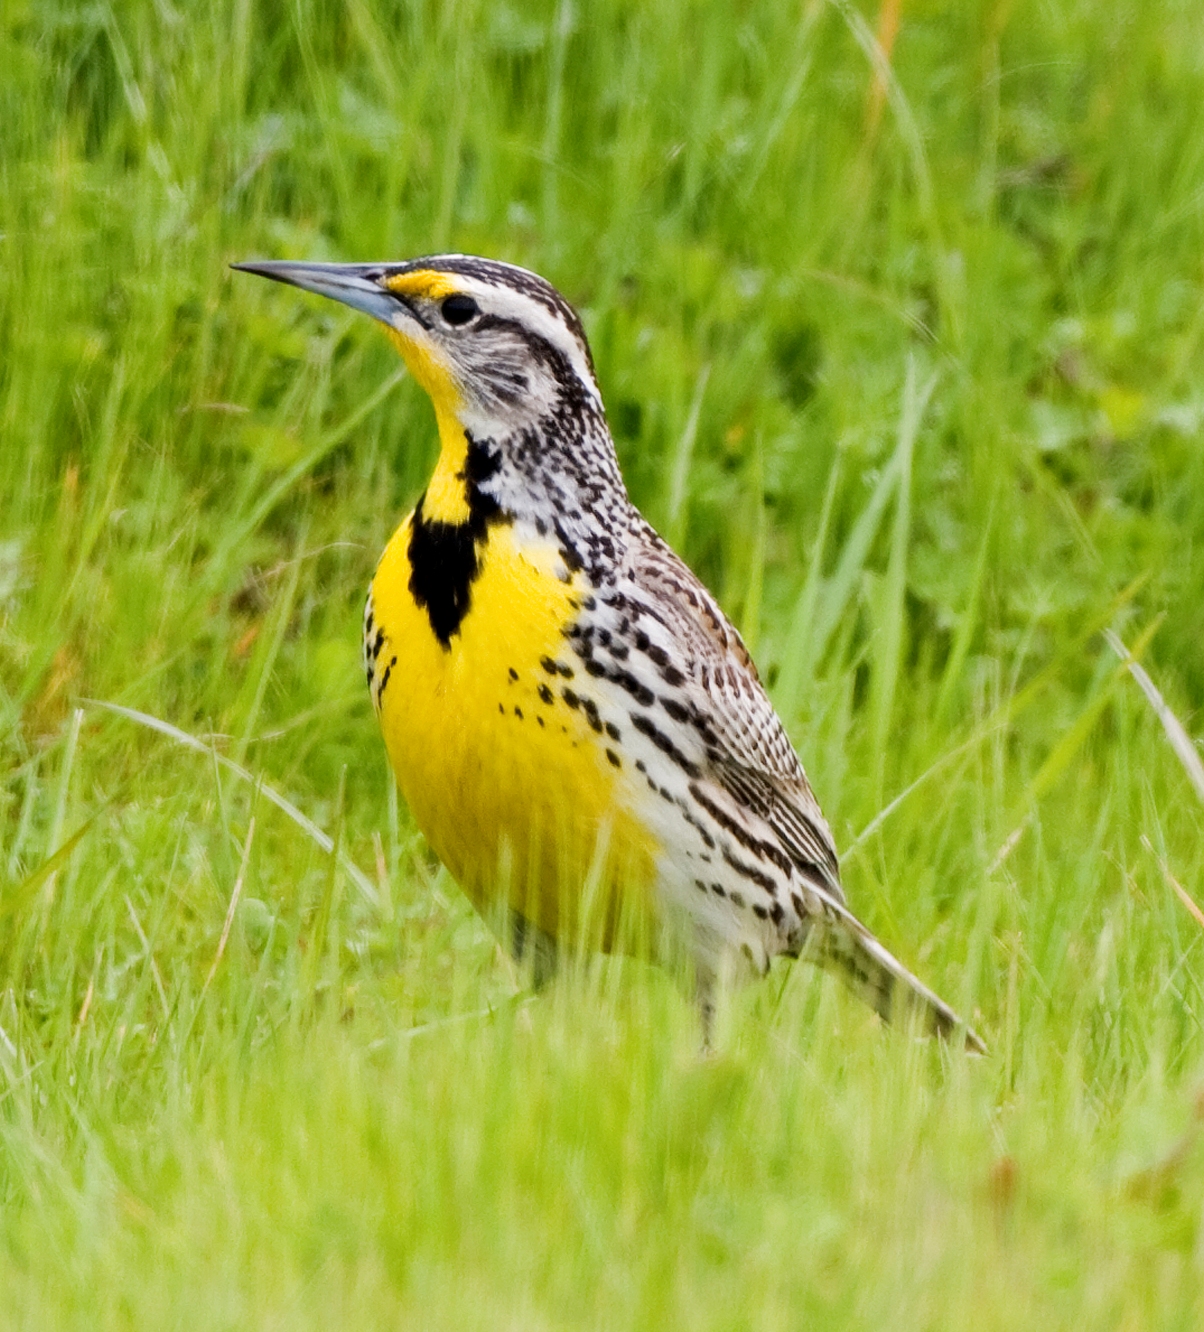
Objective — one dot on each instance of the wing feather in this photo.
(749, 755)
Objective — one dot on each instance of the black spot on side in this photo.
(750, 872)
(699, 827)
(647, 727)
(568, 552)
(676, 710)
(513, 673)
(764, 850)
(545, 693)
(619, 675)
(614, 758)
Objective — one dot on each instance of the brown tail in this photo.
(845, 947)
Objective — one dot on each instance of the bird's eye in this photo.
(459, 309)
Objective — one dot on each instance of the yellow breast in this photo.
(510, 785)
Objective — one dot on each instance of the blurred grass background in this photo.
(906, 358)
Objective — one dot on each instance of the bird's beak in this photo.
(356, 285)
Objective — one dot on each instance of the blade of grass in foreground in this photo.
(796, 658)
(891, 627)
(15, 900)
(1176, 733)
(1063, 752)
(1003, 715)
(307, 825)
(1181, 743)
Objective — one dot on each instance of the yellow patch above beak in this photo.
(427, 283)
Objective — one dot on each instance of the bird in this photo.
(577, 728)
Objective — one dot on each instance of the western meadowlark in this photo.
(575, 725)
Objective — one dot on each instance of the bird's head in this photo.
(496, 347)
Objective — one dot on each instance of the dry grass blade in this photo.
(1176, 732)
(888, 30)
(1180, 892)
(232, 908)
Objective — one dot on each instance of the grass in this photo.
(912, 379)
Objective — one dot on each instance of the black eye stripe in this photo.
(458, 309)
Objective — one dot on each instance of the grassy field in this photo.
(910, 370)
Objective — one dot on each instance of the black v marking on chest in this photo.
(445, 558)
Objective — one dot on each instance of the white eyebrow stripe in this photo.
(507, 303)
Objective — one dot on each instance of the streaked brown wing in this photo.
(749, 755)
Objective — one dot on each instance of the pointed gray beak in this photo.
(356, 285)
